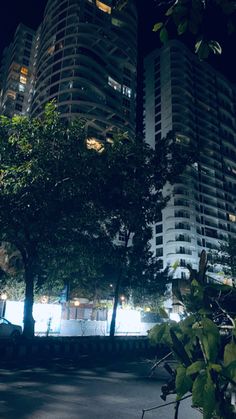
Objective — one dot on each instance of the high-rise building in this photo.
(16, 73)
(190, 98)
(86, 59)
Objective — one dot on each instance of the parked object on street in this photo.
(7, 329)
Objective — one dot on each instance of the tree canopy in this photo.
(66, 199)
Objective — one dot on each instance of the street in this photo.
(65, 391)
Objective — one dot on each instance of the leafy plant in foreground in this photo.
(204, 345)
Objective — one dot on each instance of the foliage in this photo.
(226, 258)
(64, 204)
(134, 184)
(204, 345)
(206, 21)
(50, 193)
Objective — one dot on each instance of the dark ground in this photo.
(90, 390)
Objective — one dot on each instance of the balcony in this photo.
(183, 251)
(182, 238)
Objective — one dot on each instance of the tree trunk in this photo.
(28, 330)
(115, 305)
(117, 288)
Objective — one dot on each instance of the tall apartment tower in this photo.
(16, 73)
(86, 59)
(196, 102)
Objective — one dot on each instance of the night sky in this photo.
(30, 12)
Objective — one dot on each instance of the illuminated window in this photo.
(94, 144)
(23, 79)
(126, 91)
(21, 88)
(182, 139)
(11, 94)
(104, 7)
(51, 49)
(24, 70)
(113, 83)
(232, 218)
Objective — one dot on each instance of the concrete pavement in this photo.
(65, 391)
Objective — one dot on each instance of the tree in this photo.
(49, 189)
(61, 193)
(207, 22)
(134, 185)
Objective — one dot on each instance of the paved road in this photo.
(118, 391)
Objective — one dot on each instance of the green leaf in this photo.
(179, 348)
(169, 11)
(229, 353)
(183, 383)
(216, 367)
(209, 405)
(209, 337)
(160, 334)
(164, 35)
(182, 27)
(202, 49)
(187, 323)
(163, 313)
(195, 367)
(198, 390)
(230, 371)
(203, 394)
(157, 26)
(215, 47)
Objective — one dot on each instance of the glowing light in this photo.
(76, 303)
(4, 296)
(44, 299)
(127, 321)
(104, 7)
(94, 144)
(175, 317)
(42, 313)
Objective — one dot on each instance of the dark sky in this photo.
(30, 12)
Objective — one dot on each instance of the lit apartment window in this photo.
(104, 7)
(23, 79)
(113, 83)
(94, 144)
(21, 88)
(24, 71)
(11, 94)
(51, 49)
(126, 91)
(182, 139)
(232, 218)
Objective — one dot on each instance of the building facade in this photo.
(197, 103)
(16, 76)
(86, 59)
